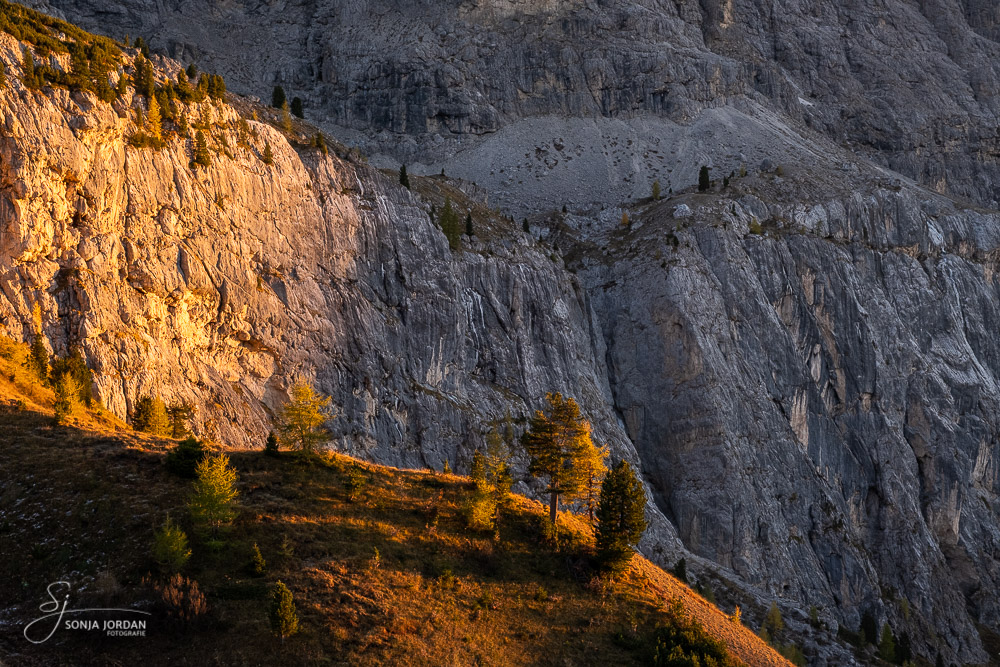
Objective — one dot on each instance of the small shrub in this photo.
(755, 227)
(170, 547)
(257, 563)
(281, 612)
(271, 446)
(354, 483)
(183, 460)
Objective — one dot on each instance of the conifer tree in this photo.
(281, 612)
(297, 107)
(404, 178)
(286, 117)
(302, 421)
(526, 227)
(271, 446)
(449, 222)
(320, 143)
(154, 119)
(656, 190)
(887, 644)
(213, 502)
(192, 71)
(625, 219)
(28, 78)
(704, 180)
(184, 459)
(170, 547)
(3, 76)
(257, 562)
(468, 225)
(178, 415)
(67, 397)
(477, 472)
(556, 443)
(278, 97)
(38, 359)
(201, 154)
(620, 517)
(773, 622)
(268, 156)
(592, 470)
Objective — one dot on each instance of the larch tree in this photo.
(557, 442)
(302, 421)
(213, 502)
(592, 471)
(281, 612)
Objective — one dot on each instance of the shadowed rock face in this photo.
(813, 407)
(913, 84)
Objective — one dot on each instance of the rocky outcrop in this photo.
(912, 84)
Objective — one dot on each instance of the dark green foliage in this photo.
(621, 517)
(216, 86)
(704, 180)
(773, 622)
(150, 416)
(170, 547)
(271, 446)
(75, 367)
(278, 97)
(725, 181)
(939, 660)
(450, 225)
(680, 570)
(404, 178)
(192, 71)
(257, 563)
(145, 83)
(477, 472)
(281, 612)
(3, 76)
(67, 397)
(28, 77)
(183, 460)
(297, 107)
(140, 44)
(887, 644)
(683, 642)
(202, 158)
(526, 227)
(564, 210)
(869, 628)
(268, 156)
(38, 359)
(178, 416)
(468, 225)
(792, 653)
(356, 481)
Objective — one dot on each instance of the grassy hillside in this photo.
(387, 576)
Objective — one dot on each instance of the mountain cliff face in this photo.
(468, 85)
(803, 365)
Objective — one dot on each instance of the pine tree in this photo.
(271, 446)
(297, 107)
(38, 359)
(281, 612)
(268, 156)
(704, 180)
(556, 443)
(278, 97)
(179, 414)
(625, 219)
(656, 190)
(67, 397)
(28, 77)
(526, 227)
(449, 222)
(773, 623)
(404, 178)
(170, 547)
(302, 421)
(3, 76)
(184, 459)
(192, 71)
(286, 117)
(213, 502)
(320, 142)
(144, 82)
(620, 517)
(869, 628)
(468, 225)
(150, 416)
(201, 155)
(887, 644)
